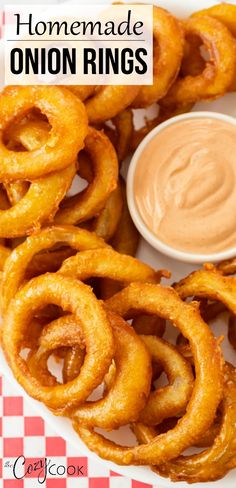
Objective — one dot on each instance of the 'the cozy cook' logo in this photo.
(42, 468)
(79, 44)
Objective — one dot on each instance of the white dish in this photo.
(147, 254)
(147, 234)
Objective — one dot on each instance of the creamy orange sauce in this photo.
(185, 185)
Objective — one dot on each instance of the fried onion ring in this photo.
(168, 53)
(27, 212)
(76, 298)
(108, 263)
(209, 283)
(65, 113)
(172, 399)
(30, 133)
(219, 71)
(224, 12)
(130, 387)
(28, 215)
(88, 203)
(17, 263)
(216, 461)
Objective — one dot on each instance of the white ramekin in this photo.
(151, 238)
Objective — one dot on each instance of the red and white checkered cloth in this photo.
(24, 433)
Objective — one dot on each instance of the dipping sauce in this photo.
(185, 185)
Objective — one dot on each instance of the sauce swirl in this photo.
(185, 185)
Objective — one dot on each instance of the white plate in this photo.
(62, 426)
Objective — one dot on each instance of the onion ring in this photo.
(31, 336)
(168, 53)
(224, 12)
(172, 399)
(27, 213)
(219, 71)
(30, 133)
(130, 387)
(209, 311)
(90, 201)
(17, 263)
(108, 263)
(65, 114)
(73, 297)
(209, 283)
(216, 461)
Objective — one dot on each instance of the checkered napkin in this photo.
(24, 434)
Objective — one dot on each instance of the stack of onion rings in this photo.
(166, 303)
